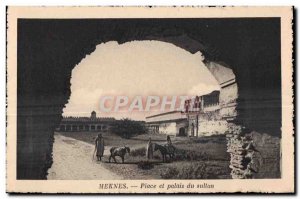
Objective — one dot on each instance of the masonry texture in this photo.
(49, 49)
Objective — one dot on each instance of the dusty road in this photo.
(72, 160)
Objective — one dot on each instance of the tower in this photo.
(93, 115)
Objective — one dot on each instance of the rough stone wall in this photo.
(239, 148)
(253, 155)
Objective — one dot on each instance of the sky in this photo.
(137, 68)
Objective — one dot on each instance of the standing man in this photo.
(169, 142)
(149, 151)
(99, 146)
(169, 146)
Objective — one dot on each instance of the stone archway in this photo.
(250, 47)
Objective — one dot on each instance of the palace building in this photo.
(199, 117)
(209, 114)
(171, 123)
(203, 115)
(92, 123)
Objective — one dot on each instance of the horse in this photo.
(164, 150)
(118, 151)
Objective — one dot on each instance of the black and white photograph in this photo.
(150, 100)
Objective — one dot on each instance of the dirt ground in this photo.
(115, 140)
(73, 147)
(73, 160)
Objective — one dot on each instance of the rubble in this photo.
(241, 149)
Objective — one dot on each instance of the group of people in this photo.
(99, 147)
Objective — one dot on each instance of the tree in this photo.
(127, 128)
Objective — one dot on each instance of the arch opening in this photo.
(113, 68)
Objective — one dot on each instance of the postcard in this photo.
(139, 100)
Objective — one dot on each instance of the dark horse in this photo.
(164, 150)
(118, 151)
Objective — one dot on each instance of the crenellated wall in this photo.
(49, 49)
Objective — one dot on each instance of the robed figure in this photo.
(149, 151)
(169, 146)
(99, 147)
(169, 142)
